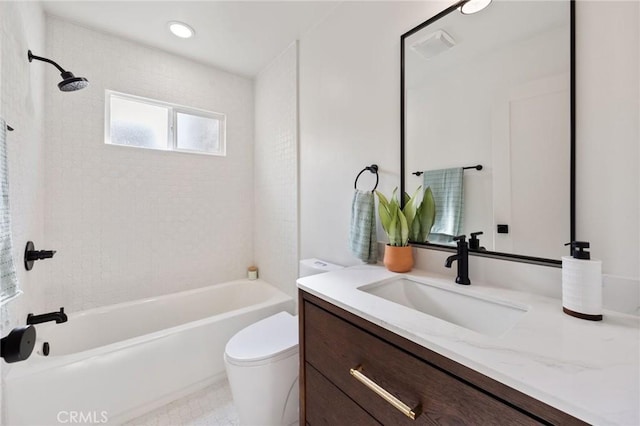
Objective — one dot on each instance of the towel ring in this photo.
(373, 169)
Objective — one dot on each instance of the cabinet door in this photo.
(334, 346)
(327, 405)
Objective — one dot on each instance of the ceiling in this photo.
(237, 36)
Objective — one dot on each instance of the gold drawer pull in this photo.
(384, 394)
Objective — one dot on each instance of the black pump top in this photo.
(474, 242)
(578, 250)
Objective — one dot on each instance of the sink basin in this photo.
(483, 315)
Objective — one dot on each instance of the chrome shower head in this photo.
(69, 83)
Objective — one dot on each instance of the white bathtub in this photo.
(117, 362)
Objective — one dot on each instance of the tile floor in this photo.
(212, 406)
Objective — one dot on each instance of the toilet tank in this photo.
(316, 266)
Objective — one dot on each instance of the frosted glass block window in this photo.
(148, 123)
(137, 123)
(198, 133)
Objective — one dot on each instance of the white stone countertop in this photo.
(589, 369)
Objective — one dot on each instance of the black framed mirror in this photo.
(488, 121)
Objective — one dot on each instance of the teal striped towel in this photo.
(362, 234)
(446, 185)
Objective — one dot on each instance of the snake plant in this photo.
(413, 222)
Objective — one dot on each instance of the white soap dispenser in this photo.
(582, 283)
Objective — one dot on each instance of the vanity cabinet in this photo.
(354, 372)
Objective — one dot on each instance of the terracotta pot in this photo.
(398, 259)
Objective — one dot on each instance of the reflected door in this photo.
(520, 142)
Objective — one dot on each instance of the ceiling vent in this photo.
(434, 44)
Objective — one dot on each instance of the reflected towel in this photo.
(7, 268)
(446, 185)
(362, 234)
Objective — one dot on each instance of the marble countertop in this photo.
(587, 369)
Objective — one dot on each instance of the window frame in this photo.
(172, 133)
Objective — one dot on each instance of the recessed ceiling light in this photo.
(473, 6)
(180, 29)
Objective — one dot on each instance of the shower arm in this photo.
(40, 58)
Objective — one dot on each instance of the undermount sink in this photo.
(486, 316)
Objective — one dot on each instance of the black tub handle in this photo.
(18, 344)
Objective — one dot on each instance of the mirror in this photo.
(489, 97)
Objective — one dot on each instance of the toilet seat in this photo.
(269, 340)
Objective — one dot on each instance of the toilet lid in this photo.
(272, 337)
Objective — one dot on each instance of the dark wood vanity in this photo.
(354, 372)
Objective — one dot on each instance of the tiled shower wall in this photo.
(22, 106)
(129, 222)
(276, 171)
(22, 27)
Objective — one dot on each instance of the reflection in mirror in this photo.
(493, 89)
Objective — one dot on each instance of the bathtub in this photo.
(111, 364)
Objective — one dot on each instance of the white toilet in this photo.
(262, 364)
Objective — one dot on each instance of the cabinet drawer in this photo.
(327, 405)
(333, 346)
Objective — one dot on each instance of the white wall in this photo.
(22, 27)
(275, 215)
(131, 223)
(349, 115)
(349, 118)
(608, 134)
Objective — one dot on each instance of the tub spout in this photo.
(58, 317)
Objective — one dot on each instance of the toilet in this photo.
(262, 364)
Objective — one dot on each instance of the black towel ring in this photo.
(373, 169)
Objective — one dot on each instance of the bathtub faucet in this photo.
(58, 317)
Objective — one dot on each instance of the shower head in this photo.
(69, 83)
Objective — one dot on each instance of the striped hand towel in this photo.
(446, 185)
(362, 234)
(7, 268)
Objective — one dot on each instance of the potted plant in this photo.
(414, 222)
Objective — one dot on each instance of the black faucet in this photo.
(463, 260)
(58, 317)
